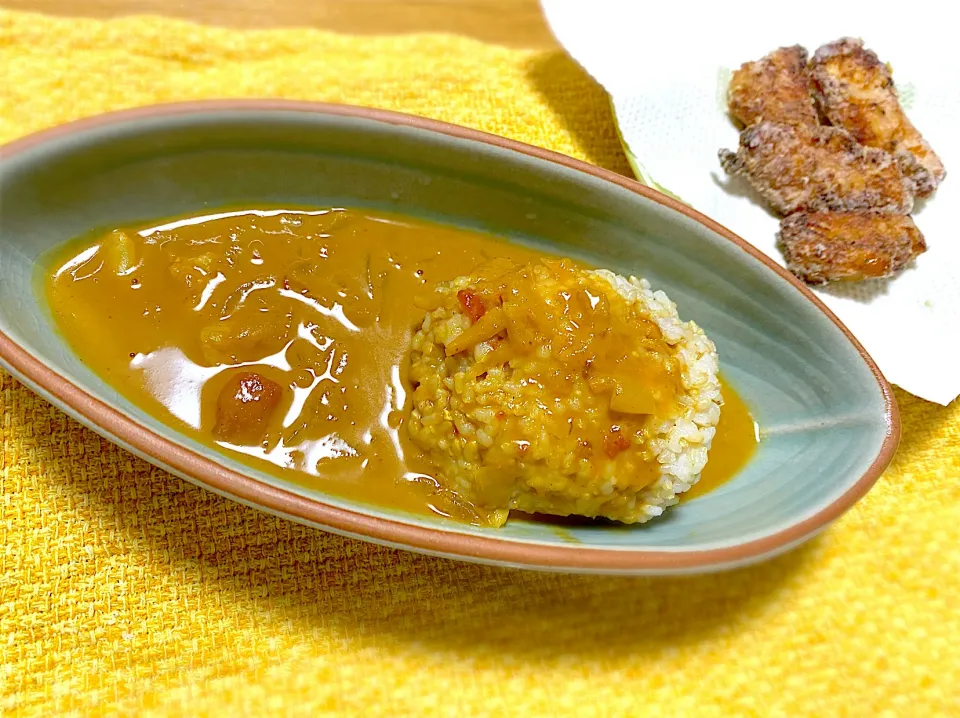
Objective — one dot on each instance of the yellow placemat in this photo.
(125, 590)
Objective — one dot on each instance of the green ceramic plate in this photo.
(828, 420)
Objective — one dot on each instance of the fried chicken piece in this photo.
(823, 247)
(819, 169)
(855, 91)
(775, 88)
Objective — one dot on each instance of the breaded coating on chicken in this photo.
(855, 91)
(818, 169)
(775, 88)
(822, 247)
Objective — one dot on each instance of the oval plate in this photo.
(828, 419)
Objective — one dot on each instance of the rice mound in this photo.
(497, 439)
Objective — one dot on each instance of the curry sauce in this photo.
(280, 336)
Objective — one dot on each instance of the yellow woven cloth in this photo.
(126, 590)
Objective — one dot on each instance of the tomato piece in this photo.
(245, 406)
(472, 304)
(615, 443)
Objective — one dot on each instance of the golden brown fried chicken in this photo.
(856, 92)
(819, 169)
(775, 88)
(823, 247)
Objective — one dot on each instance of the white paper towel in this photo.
(666, 66)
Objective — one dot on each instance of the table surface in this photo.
(514, 23)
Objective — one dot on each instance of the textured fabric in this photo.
(125, 590)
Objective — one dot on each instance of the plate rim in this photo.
(208, 473)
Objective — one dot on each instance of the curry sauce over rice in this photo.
(552, 389)
(311, 343)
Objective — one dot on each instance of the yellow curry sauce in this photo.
(309, 311)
